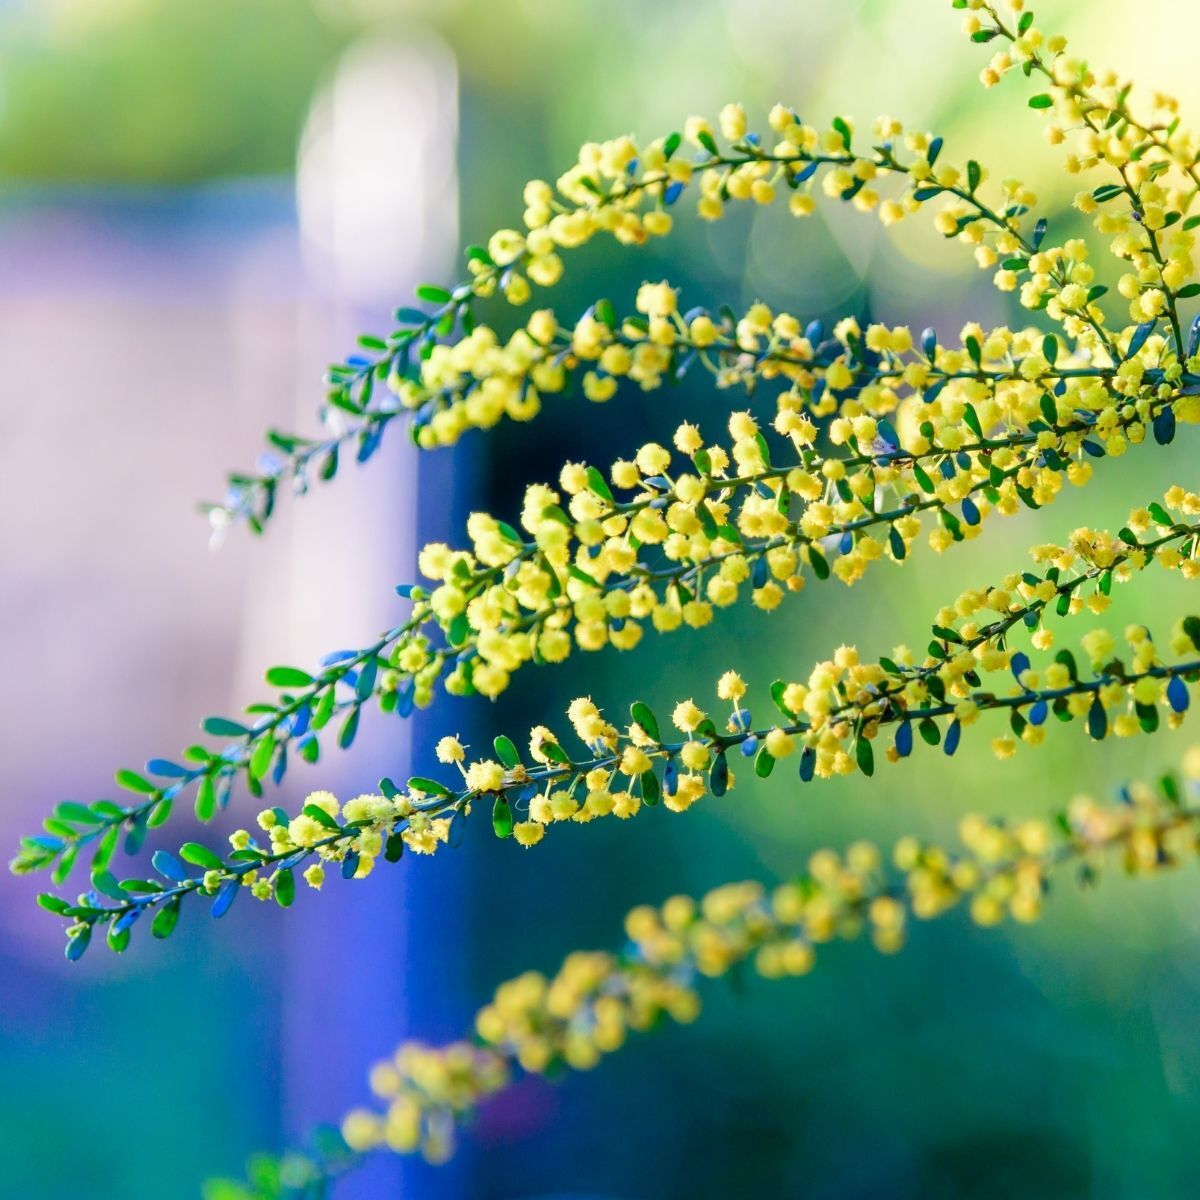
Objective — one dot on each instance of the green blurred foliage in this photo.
(159, 92)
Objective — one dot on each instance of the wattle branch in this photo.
(479, 380)
(832, 721)
(1155, 233)
(626, 190)
(586, 1010)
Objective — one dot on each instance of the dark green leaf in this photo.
(316, 813)
(206, 799)
(285, 888)
(506, 752)
(223, 727)
(502, 818)
(864, 755)
(166, 919)
(428, 787)
(200, 856)
(641, 714)
(133, 782)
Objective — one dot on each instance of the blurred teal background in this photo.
(200, 205)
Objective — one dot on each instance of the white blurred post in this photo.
(376, 195)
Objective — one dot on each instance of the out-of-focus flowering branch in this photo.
(572, 1019)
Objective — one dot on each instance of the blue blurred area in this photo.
(167, 297)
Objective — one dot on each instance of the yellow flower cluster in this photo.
(1153, 162)
(625, 190)
(537, 1024)
(474, 382)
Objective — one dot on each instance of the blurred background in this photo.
(200, 205)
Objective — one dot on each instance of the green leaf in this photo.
(285, 887)
(1042, 100)
(133, 782)
(323, 711)
(318, 814)
(596, 484)
(349, 729)
(364, 687)
(764, 763)
(778, 687)
(65, 863)
(606, 313)
(69, 810)
(201, 856)
(864, 755)
(641, 714)
(502, 818)
(206, 799)
(166, 919)
(223, 727)
(432, 293)
(718, 776)
(428, 787)
(1191, 627)
(555, 753)
(104, 852)
(260, 760)
(288, 677)
(651, 788)
(506, 752)
(118, 936)
(416, 316)
(509, 533)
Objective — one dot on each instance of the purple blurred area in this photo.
(150, 335)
